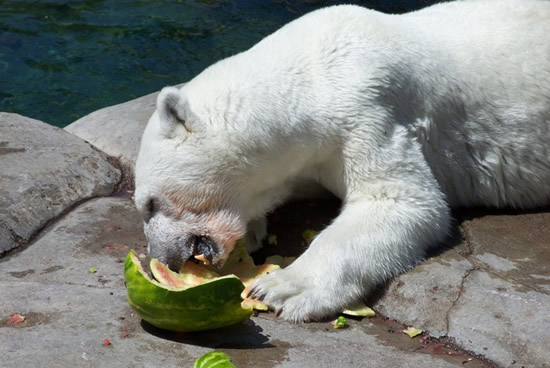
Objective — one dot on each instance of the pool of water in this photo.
(62, 59)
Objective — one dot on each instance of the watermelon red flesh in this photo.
(211, 305)
(190, 275)
(241, 264)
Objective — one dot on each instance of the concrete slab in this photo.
(70, 312)
(44, 171)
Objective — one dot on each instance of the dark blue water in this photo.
(62, 59)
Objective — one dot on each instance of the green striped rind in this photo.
(211, 305)
(214, 359)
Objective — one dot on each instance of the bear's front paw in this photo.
(294, 296)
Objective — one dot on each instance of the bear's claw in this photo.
(293, 296)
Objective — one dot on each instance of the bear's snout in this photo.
(173, 259)
(175, 254)
(207, 248)
(178, 228)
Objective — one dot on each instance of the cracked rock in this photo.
(72, 311)
(423, 296)
(502, 321)
(44, 171)
(95, 234)
(490, 293)
(125, 123)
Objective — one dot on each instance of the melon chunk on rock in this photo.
(173, 304)
(198, 297)
(241, 264)
(190, 275)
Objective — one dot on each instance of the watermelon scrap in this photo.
(308, 235)
(359, 310)
(340, 322)
(213, 304)
(272, 239)
(214, 359)
(412, 332)
(16, 319)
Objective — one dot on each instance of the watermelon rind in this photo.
(214, 304)
(214, 359)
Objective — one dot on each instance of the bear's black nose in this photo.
(206, 247)
(177, 254)
(174, 254)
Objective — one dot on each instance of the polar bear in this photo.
(400, 116)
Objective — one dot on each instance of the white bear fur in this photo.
(400, 116)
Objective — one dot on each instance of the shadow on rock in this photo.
(246, 335)
(467, 214)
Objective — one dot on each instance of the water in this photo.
(62, 59)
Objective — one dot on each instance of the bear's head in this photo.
(220, 152)
(188, 184)
(205, 169)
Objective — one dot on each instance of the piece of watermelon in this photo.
(214, 359)
(200, 297)
(182, 306)
(241, 264)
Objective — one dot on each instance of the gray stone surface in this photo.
(7, 241)
(117, 129)
(502, 320)
(424, 296)
(490, 293)
(43, 171)
(70, 312)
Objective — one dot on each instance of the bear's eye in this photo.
(150, 208)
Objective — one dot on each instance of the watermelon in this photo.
(241, 264)
(200, 297)
(340, 322)
(214, 359)
(183, 305)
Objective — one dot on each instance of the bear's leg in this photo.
(256, 232)
(374, 238)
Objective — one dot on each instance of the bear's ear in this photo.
(171, 108)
